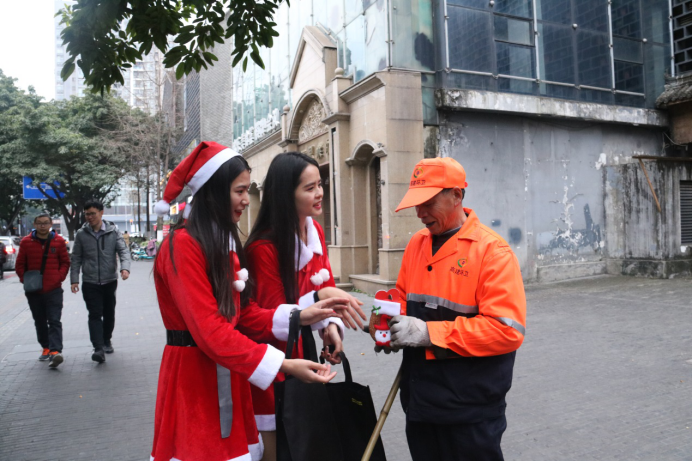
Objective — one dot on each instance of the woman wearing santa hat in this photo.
(203, 406)
(289, 262)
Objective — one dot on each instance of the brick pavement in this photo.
(605, 373)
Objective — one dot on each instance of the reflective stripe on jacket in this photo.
(471, 295)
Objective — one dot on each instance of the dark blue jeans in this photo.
(101, 302)
(47, 310)
(474, 441)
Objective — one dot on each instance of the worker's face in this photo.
(239, 195)
(308, 194)
(441, 213)
(93, 216)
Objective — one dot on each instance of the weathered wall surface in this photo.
(644, 241)
(540, 184)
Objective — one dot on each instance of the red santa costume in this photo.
(203, 406)
(314, 273)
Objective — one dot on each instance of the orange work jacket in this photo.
(471, 295)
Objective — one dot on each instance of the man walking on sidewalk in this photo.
(47, 304)
(94, 252)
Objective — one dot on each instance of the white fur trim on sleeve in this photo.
(280, 321)
(266, 422)
(257, 450)
(306, 300)
(267, 370)
(338, 322)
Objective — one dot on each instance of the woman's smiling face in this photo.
(308, 195)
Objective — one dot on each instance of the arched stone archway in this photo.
(308, 113)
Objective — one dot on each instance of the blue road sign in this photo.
(32, 192)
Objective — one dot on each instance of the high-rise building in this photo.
(74, 85)
(143, 83)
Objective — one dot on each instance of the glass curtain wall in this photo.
(589, 50)
(360, 31)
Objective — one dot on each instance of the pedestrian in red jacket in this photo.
(47, 304)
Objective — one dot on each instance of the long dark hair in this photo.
(210, 224)
(277, 219)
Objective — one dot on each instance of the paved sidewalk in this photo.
(605, 373)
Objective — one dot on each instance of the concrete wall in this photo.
(644, 241)
(540, 184)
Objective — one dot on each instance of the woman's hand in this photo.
(307, 371)
(353, 308)
(331, 337)
(323, 309)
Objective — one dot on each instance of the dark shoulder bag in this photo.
(33, 280)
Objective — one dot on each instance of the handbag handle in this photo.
(309, 343)
(346, 367)
(45, 254)
(294, 326)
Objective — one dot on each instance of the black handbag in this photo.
(33, 280)
(316, 421)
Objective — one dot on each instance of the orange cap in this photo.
(430, 177)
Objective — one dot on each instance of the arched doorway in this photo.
(366, 177)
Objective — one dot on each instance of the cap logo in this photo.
(418, 171)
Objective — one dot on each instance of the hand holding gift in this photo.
(385, 306)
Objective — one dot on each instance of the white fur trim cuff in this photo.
(338, 322)
(267, 370)
(266, 422)
(257, 450)
(280, 321)
(306, 300)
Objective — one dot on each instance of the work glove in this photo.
(408, 331)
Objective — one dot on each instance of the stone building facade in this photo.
(550, 105)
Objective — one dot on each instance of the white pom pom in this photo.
(242, 274)
(324, 274)
(186, 211)
(162, 208)
(239, 286)
(316, 279)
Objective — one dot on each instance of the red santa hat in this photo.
(194, 171)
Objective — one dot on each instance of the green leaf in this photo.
(180, 71)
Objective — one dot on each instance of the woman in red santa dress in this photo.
(288, 260)
(203, 407)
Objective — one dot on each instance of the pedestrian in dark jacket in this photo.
(47, 304)
(97, 245)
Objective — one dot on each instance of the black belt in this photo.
(181, 338)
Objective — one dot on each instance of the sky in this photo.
(27, 48)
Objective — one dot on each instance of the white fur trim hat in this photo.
(194, 171)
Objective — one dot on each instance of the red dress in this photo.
(263, 263)
(187, 421)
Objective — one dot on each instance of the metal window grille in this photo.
(685, 193)
(681, 25)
